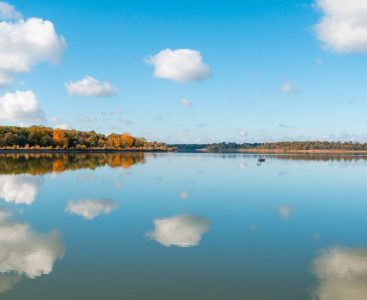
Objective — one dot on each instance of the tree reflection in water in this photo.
(43, 163)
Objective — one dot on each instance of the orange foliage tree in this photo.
(127, 140)
(114, 141)
(59, 138)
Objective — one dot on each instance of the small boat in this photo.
(261, 159)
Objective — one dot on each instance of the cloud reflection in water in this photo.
(179, 231)
(89, 209)
(342, 273)
(25, 252)
(20, 189)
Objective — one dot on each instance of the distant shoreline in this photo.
(23, 150)
(172, 149)
(313, 151)
(285, 151)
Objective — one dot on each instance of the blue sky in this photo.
(271, 74)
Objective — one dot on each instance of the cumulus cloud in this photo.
(89, 209)
(180, 231)
(24, 43)
(182, 65)
(20, 107)
(342, 274)
(287, 88)
(185, 102)
(25, 252)
(90, 87)
(9, 12)
(343, 26)
(19, 189)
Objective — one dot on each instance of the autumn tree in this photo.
(114, 141)
(59, 138)
(127, 140)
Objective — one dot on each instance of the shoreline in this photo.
(172, 150)
(314, 151)
(285, 151)
(65, 151)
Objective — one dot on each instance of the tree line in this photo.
(315, 145)
(45, 137)
(281, 146)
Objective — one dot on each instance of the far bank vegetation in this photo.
(40, 137)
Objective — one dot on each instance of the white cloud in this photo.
(182, 65)
(89, 86)
(24, 43)
(185, 102)
(19, 189)
(180, 231)
(20, 106)
(342, 274)
(25, 252)
(56, 123)
(343, 26)
(8, 12)
(89, 209)
(287, 88)
(64, 126)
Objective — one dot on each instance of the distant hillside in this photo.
(314, 146)
(277, 147)
(188, 147)
(217, 147)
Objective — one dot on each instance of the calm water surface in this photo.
(182, 226)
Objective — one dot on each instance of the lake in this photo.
(182, 226)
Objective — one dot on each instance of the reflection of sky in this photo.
(180, 231)
(19, 189)
(25, 252)
(285, 211)
(91, 208)
(229, 260)
(184, 195)
(342, 273)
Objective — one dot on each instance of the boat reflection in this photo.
(25, 252)
(342, 274)
(180, 231)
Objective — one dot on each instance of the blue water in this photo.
(182, 226)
